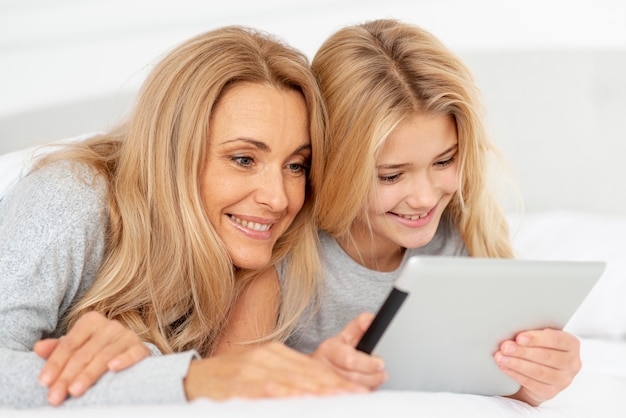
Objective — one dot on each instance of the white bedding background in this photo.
(592, 395)
(569, 235)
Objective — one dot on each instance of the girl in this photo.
(406, 173)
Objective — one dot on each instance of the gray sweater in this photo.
(52, 227)
(350, 288)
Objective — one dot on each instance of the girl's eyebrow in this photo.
(397, 166)
(449, 150)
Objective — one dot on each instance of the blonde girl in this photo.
(407, 172)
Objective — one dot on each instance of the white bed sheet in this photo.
(597, 391)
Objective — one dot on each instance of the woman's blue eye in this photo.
(243, 161)
(297, 168)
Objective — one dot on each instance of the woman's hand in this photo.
(339, 352)
(269, 370)
(92, 347)
(543, 362)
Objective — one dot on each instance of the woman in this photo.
(171, 225)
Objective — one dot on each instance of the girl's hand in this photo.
(339, 352)
(92, 347)
(543, 362)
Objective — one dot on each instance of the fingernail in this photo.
(55, 397)
(500, 359)
(508, 348)
(523, 340)
(114, 364)
(76, 388)
(45, 379)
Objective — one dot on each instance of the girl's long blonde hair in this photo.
(166, 273)
(373, 76)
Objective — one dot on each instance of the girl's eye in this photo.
(446, 162)
(243, 161)
(389, 178)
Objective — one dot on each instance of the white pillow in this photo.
(582, 236)
(15, 165)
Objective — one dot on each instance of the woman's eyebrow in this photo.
(304, 147)
(258, 144)
(266, 148)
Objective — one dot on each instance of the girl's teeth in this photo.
(413, 217)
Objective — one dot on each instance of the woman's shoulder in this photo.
(60, 190)
(72, 183)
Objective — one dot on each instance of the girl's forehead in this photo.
(417, 137)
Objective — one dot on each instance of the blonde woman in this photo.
(170, 226)
(407, 173)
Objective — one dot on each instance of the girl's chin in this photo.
(418, 241)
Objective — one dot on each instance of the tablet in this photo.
(445, 317)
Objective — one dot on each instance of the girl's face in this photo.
(254, 180)
(417, 176)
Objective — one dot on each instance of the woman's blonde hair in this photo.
(166, 273)
(373, 76)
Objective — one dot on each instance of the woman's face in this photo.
(417, 176)
(254, 180)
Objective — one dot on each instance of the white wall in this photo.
(552, 72)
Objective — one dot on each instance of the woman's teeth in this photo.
(251, 225)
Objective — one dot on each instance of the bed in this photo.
(593, 394)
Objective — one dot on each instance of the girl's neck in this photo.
(364, 249)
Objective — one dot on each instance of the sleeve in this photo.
(52, 228)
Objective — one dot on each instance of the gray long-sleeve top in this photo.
(52, 228)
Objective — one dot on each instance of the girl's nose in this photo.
(422, 193)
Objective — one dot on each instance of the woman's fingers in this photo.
(66, 347)
(272, 370)
(43, 348)
(92, 347)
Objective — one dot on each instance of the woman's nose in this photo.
(271, 190)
